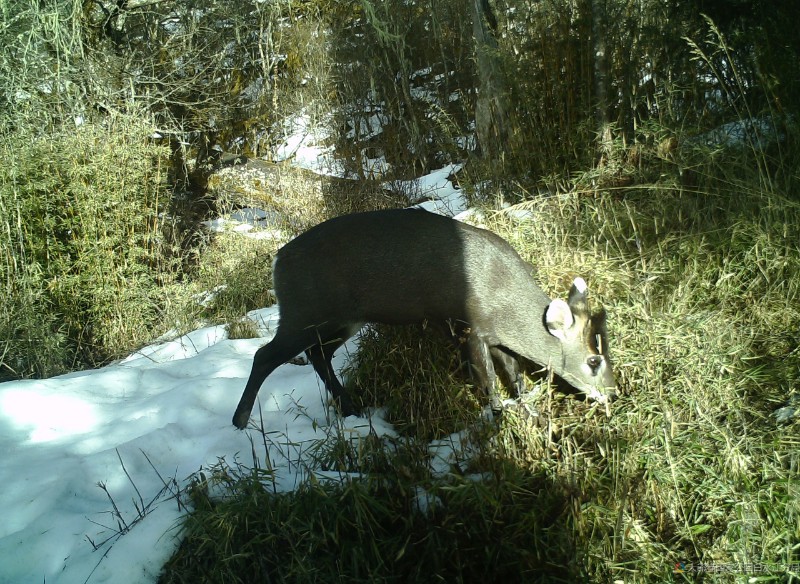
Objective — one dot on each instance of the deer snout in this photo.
(601, 397)
(611, 396)
(604, 392)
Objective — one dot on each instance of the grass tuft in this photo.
(378, 527)
(691, 476)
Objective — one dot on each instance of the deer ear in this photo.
(577, 297)
(599, 331)
(558, 318)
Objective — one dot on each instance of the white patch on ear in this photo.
(558, 318)
(580, 285)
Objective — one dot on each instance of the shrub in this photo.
(81, 262)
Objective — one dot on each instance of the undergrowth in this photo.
(83, 254)
(691, 244)
(378, 526)
(690, 477)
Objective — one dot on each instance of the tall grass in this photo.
(702, 291)
(82, 259)
(378, 529)
(691, 477)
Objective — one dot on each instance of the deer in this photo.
(408, 266)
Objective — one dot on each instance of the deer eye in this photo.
(594, 362)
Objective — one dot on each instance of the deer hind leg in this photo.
(321, 353)
(286, 345)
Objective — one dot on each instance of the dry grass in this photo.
(691, 477)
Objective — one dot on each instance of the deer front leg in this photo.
(476, 352)
(509, 371)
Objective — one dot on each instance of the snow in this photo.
(253, 223)
(434, 192)
(305, 147)
(157, 416)
(93, 460)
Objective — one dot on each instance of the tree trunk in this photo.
(491, 106)
(600, 66)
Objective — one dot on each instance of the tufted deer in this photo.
(408, 266)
